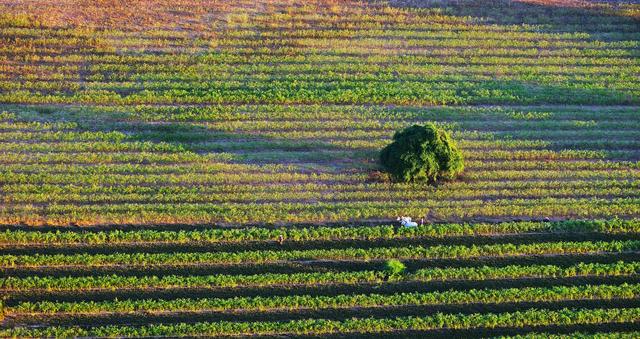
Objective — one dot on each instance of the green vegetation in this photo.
(271, 256)
(319, 326)
(600, 292)
(253, 234)
(422, 153)
(394, 267)
(212, 168)
(47, 283)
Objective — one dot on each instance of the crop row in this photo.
(265, 197)
(341, 92)
(320, 233)
(281, 40)
(215, 136)
(272, 40)
(440, 55)
(439, 31)
(147, 157)
(576, 335)
(443, 61)
(474, 151)
(471, 148)
(135, 198)
(404, 43)
(292, 303)
(61, 142)
(479, 179)
(468, 131)
(328, 112)
(225, 167)
(193, 69)
(282, 212)
(116, 282)
(461, 126)
(434, 28)
(20, 237)
(582, 133)
(619, 81)
(190, 67)
(411, 252)
(532, 317)
(362, 48)
(479, 61)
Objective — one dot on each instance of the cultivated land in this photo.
(205, 168)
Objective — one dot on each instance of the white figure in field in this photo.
(406, 222)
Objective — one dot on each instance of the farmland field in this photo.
(209, 168)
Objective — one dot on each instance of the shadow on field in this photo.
(547, 15)
(233, 146)
(552, 18)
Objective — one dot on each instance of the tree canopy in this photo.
(422, 153)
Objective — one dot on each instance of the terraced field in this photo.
(199, 168)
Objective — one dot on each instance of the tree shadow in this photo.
(239, 147)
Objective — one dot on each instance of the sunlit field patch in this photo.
(211, 168)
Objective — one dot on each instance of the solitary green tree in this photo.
(422, 153)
